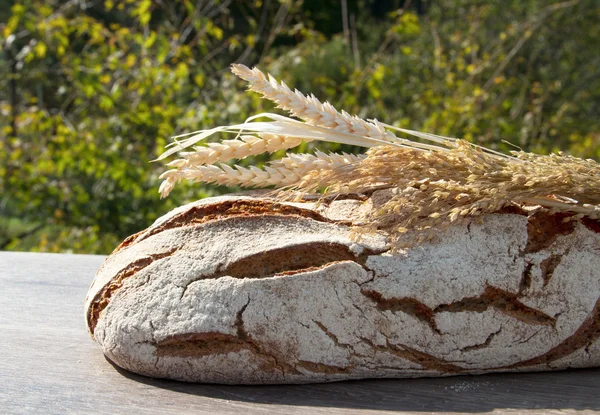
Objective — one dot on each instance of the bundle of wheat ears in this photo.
(434, 181)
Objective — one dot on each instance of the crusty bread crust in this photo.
(249, 290)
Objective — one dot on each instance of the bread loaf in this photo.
(248, 290)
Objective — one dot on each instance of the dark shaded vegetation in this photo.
(91, 91)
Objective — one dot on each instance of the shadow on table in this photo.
(575, 389)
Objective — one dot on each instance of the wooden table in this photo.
(49, 365)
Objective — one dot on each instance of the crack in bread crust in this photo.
(586, 334)
(483, 345)
(525, 282)
(322, 367)
(543, 228)
(592, 224)
(214, 343)
(548, 266)
(503, 301)
(288, 261)
(199, 344)
(220, 210)
(408, 305)
(425, 360)
(291, 260)
(103, 297)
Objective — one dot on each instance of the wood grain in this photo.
(49, 365)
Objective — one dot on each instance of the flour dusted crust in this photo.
(247, 290)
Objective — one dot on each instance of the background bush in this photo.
(90, 91)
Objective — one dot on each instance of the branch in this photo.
(22, 235)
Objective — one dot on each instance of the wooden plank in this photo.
(48, 364)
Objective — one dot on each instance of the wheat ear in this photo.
(280, 173)
(323, 114)
(247, 145)
(309, 108)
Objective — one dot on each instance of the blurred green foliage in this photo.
(90, 91)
